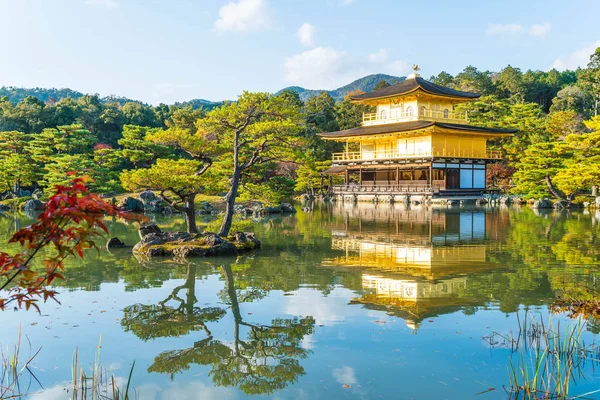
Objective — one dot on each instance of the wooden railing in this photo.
(389, 188)
(394, 154)
(427, 113)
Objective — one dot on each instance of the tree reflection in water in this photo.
(265, 360)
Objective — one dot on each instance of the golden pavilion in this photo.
(415, 143)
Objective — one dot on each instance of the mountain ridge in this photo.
(366, 84)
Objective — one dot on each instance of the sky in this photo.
(176, 50)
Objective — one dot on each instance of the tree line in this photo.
(265, 146)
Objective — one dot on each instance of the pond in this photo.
(344, 301)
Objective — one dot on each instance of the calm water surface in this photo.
(341, 302)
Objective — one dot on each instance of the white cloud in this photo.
(504, 29)
(579, 58)
(149, 391)
(399, 68)
(536, 30)
(244, 15)
(104, 3)
(326, 310)
(540, 30)
(321, 67)
(345, 375)
(379, 56)
(306, 34)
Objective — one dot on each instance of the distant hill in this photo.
(366, 84)
(199, 103)
(16, 94)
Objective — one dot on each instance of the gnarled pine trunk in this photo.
(189, 210)
(233, 191)
(555, 192)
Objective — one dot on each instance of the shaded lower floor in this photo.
(465, 177)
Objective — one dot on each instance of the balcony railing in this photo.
(390, 188)
(396, 155)
(423, 113)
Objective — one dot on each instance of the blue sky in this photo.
(166, 51)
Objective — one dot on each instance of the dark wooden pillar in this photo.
(431, 177)
(346, 177)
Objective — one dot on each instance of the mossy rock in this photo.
(181, 245)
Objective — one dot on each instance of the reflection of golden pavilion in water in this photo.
(414, 261)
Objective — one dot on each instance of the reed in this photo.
(17, 378)
(99, 384)
(546, 358)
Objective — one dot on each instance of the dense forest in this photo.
(125, 145)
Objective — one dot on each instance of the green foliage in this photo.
(539, 164)
(175, 177)
(272, 192)
(571, 162)
(136, 149)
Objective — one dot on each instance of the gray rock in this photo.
(114, 243)
(25, 193)
(155, 206)
(480, 202)
(307, 197)
(206, 208)
(505, 200)
(241, 209)
(131, 204)
(147, 196)
(240, 237)
(212, 239)
(37, 194)
(251, 237)
(147, 229)
(562, 204)
(156, 238)
(287, 208)
(32, 205)
(543, 203)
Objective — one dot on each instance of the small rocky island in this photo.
(181, 245)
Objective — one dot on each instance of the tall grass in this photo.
(17, 378)
(546, 358)
(98, 384)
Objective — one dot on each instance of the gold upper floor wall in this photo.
(415, 107)
(427, 143)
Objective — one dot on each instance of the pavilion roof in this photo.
(410, 126)
(412, 84)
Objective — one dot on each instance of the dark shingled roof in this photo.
(412, 84)
(409, 126)
(335, 170)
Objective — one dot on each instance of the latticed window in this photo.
(409, 111)
(446, 113)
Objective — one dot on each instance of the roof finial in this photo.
(415, 73)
